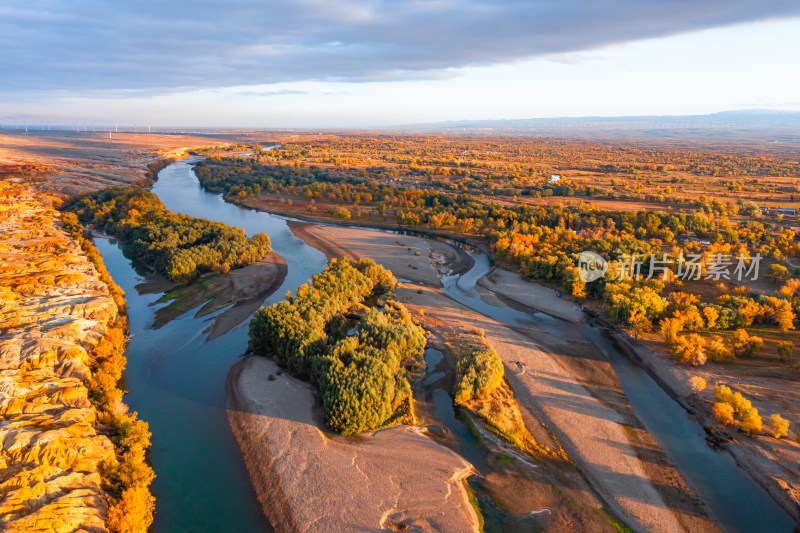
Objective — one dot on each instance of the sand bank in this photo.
(241, 291)
(408, 257)
(308, 480)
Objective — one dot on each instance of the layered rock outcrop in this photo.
(53, 310)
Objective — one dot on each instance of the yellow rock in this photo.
(53, 308)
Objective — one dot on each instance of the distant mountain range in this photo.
(754, 118)
(749, 131)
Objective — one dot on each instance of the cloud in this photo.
(281, 92)
(150, 46)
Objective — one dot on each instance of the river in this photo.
(177, 384)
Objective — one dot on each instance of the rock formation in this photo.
(53, 311)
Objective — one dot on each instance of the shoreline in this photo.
(750, 460)
(231, 294)
(244, 307)
(410, 258)
(396, 478)
(301, 217)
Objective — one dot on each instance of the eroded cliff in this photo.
(54, 310)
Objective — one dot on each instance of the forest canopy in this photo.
(343, 333)
(179, 246)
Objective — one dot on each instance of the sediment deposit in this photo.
(307, 480)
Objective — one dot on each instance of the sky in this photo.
(350, 63)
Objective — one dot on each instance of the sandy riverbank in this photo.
(242, 291)
(308, 480)
(770, 463)
(575, 393)
(533, 295)
(408, 257)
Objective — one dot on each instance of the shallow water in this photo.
(177, 380)
(462, 441)
(735, 501)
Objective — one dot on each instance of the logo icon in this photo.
(591, 266)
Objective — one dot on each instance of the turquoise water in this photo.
(177, 380)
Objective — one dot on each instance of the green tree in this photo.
(478, 374)
(777, 273)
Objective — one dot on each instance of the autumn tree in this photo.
(712, 316)
(722, 413)
(778, 426)
(717, 350)
(697, 384)
(784, 349)
(777, 273)
(744, 344)
(670, 329)
(690, 349)
(478, 374)
(751, 423)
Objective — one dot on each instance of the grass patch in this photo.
(167, 296)
(467, 420)
(501, 415)
(622, 528)
(473, 501)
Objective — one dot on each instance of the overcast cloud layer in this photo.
(80, 46)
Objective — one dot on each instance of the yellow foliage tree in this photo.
(751, 423)
(722, 413)
(711, 315)
(670, 330)
(690, 350)
(133, 513)
(717, 350)
(778, 425)
(697, 384)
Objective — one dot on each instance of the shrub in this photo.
(478, 374)
(722, 413)
(778, 425)
(697, 384)
(785, 350)
(751, 423)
